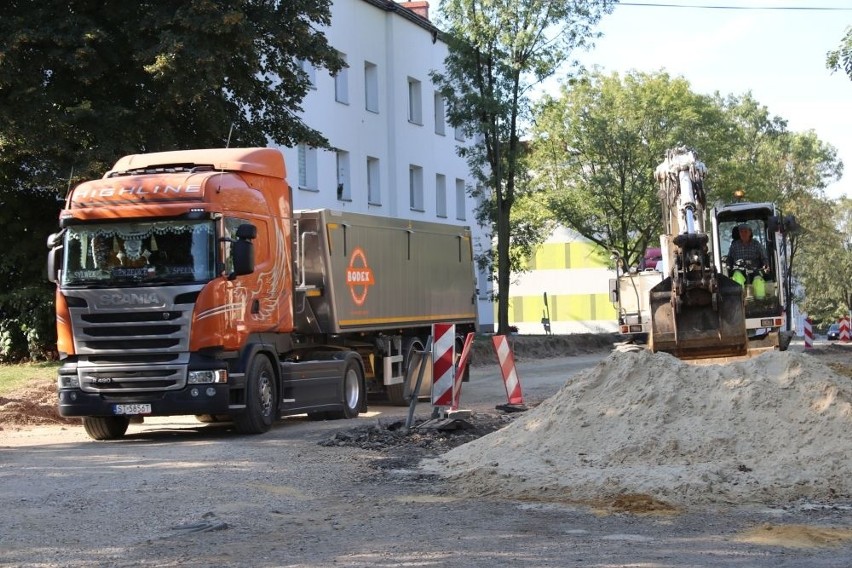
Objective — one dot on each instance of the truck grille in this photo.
(131, 332)
(126, 379)
(136, 349)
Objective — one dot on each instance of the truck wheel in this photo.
(105, 427)
(352, 387)
(261, 408)
(396, 393)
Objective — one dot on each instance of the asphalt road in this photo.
(179, 493)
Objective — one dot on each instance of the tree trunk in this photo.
(504, 271)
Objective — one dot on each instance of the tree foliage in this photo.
(840, 59)
(84, 82)
(826, 260)
(498, 49)
(596, 147)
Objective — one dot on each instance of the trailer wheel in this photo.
(105, 427)
(397, 393)
(261, 409)
(352, 392)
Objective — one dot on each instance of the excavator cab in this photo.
(764, 290)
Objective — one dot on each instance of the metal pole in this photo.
(423, 362)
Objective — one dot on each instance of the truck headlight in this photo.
(204, 377)
(67, 382)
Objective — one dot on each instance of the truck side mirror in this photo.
(54, 257)
(242, 250)
(54, 261)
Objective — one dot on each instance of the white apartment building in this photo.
(395, 153)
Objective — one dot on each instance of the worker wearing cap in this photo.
(751, 252)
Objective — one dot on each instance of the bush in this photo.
(13, 341)
(27, 325)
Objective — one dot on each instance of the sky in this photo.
(776, 54)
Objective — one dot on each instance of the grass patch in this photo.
(13, 377)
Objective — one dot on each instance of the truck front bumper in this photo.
(193, 399)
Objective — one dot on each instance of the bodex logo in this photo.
(359, 276)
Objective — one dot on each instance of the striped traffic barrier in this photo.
(443, 363)
(510, 374)
(809, 334)
(460, 368)
(844, 329)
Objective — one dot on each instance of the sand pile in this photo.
(772, 429)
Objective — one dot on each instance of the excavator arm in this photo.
(696, 311)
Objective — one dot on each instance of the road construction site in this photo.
(622, 458)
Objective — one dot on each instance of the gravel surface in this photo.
(179, 493)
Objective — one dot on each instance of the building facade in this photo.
(574, 276)
(395, 154)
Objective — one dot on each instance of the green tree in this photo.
(597, 144)
(596, 147)
(840, 59)
(826, 259)
(497, 50)
(83, 83)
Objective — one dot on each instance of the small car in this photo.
(833, 331)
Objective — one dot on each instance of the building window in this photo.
(441, 195)
(415, 187)
(374, 188)
(307, 167)
(311, 72)
(461, 214)
(341, 82)
(415, 102)
(458, 133)
(344, 187)
(440, 116)
(371, 87)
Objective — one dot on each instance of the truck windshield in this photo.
(117, 254)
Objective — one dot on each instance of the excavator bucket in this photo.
(694, 324)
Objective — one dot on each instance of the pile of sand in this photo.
(771, 429)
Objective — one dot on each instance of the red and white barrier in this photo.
(809, 334)
(443, 363)
(507, 367)
(844, 329)
(460, 368)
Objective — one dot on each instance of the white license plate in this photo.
(132, 409)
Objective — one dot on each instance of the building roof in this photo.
(410, 15)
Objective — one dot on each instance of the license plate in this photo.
(128, 409)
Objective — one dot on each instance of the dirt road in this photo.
(178, 493)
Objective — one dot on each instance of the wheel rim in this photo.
(265, 392)
(351, 388)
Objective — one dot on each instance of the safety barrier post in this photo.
(460, 369)
(443, 364)
(510, 374)
(809, 334)
(844, 329)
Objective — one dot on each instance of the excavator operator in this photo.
(746, 258)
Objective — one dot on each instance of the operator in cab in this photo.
(747, 258)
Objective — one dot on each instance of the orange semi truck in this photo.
(188, 285)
